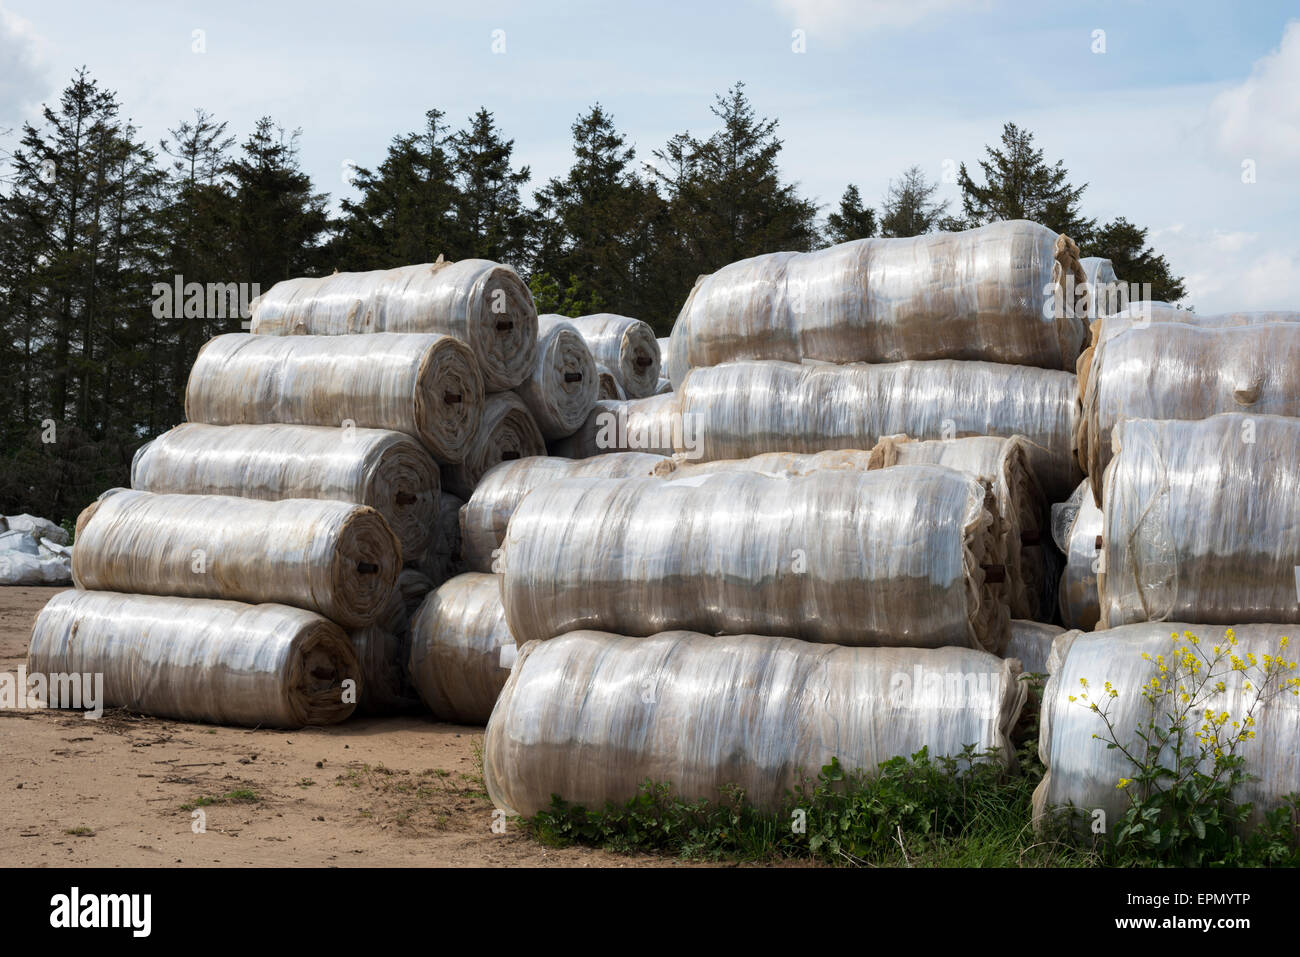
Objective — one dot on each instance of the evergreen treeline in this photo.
(97, 227)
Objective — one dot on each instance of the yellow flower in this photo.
(1123, 783)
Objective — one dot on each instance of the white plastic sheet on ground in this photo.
(563, 385)
(506, 433)
(1077, 527)
(219, 661)
(894, 557)
(626, 347)
(590, 716)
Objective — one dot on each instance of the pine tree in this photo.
(1125, 245)
(909, 207)
(492, 222)
(852, 220)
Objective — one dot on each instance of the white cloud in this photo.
(24, 80)
(833, 17)
(1259, 118)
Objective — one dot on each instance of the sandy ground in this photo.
(124, 790)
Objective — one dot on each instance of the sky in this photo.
(1183, 117)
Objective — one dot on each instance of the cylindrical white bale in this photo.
(1031, 644)
(507, 432)
(444, 558)
(665, 353)
(383, 649)
(743, 409)
(1201, 521)
(483, 304)
(462, 649)
(1083, 772)
(637, 425)
(1171, 370)
(562, 387)
(626, 347)
(895, 557)
(337, 559)
(427, 386)
(608, 387)
(590, 716)
(1077, 528)
(1144, 312)
(389, 471)
(998, 293)
(194, 660)
(485, 516)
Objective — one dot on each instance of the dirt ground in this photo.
(124, 790)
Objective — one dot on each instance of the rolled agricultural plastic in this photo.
(507, 432)
(665, 352)
(770, 463)
(444, 558)
(1104, 292)
(1003, 463)
(997, 294)
(608, 385)
(1083, 772)
(1171, 370)
(637, 425)
(1202, 521)
(1031, 644)
(462, 649)
(1077, 528)
(902, 556)
(427, 386)
(591, 716)
(743, 409)
(562, 388)
(485, 516)
(626, 347)
(483, 304)
(223, 662)
(389, 471)
(383, 649)
(329, 557)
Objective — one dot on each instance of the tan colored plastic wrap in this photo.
(462, 649)
(444, 557)
(1031, 644)
(591, 716)
(427, 386)
(637, 425)
(894, 557)
(218, 661)
(329, 557)
(389, 471)
(383, 649)
(507, 432)
(770, 463)
(1202, 521)
(1083, 772)
(1077, 527)
(485, 516)
(997, 293)
(483, 304)
(626, 347)
(743, 409)
(608, 385)
(1172, 370)
(563, 386)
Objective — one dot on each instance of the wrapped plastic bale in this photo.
(483, 304)
(337, 559)
(771, 463)
(561, 389)
(637, 425)
(223, 662)
(1173, 370)
(507, 432)
(999, 293)
(590, 716)
(427, 386)
(1077, 529)
(462, 649)
(485, 516)
(665, 353)
(444, 558)
(1201, 521)
(608, 387)
(28, 559)
(895, 557)
(389, 471)
(626, 347)
(383, 649)
(1083, 773)
(743, 409)
(1031, 644)
(1105, 292)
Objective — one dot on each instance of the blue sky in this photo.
(1159, 124)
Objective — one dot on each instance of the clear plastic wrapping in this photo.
(894, 557)
(608, 385)
(383, 649)
(444, 558)
(635, 425)
(389, 471)
(1076, 527)
(1202, 521)
(591, 716)
(626, 347)
(485, 516)
(462, 649)
(746, 408)
(337, 559)
(563, 386)
(506, 433)
(222, 662)
(427, 386)
(1031, 644)
(483, 304)
(999, 293)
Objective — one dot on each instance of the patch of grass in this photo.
(80, 831)
(238, 796)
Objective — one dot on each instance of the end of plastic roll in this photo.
(1068, 275)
